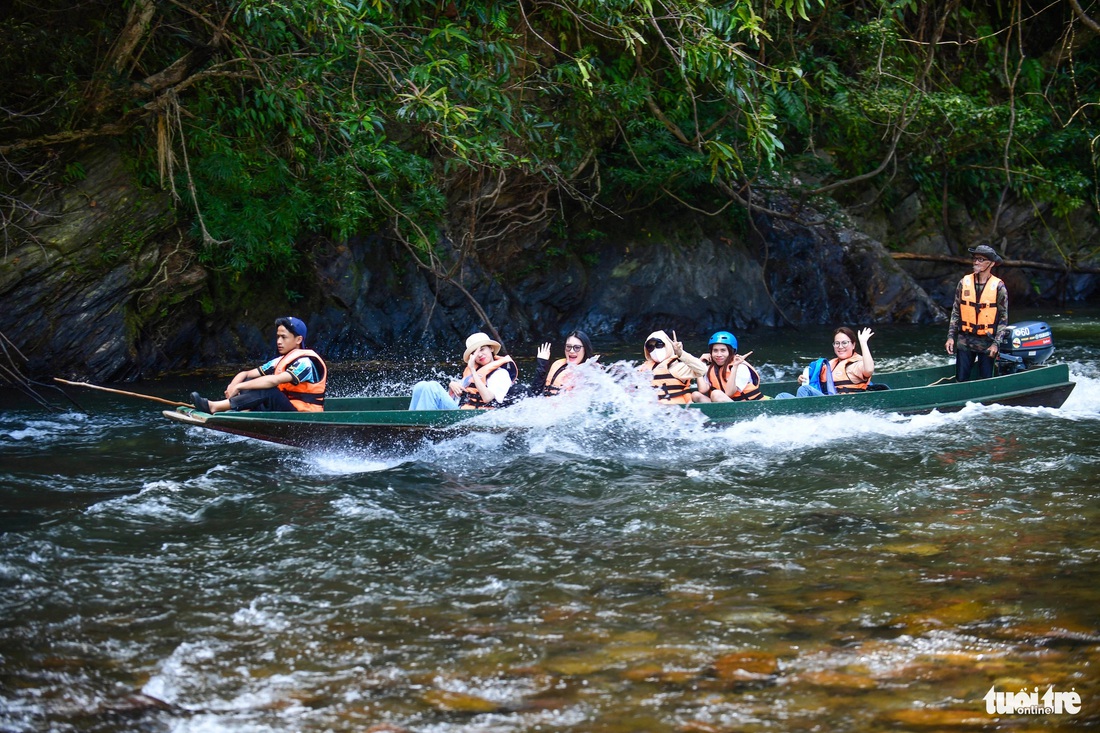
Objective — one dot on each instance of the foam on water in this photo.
(335, 463)
(29, 427)
(1084, 401)
(259, 617)
(612, 413)
(364, 509)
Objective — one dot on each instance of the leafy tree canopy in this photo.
(274, 120)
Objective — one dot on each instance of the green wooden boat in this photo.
(386, 423)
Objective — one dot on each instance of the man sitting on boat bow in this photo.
(294, 381)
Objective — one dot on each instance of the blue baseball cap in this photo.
(295, 325)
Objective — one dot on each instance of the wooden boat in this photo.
(912, 392)
(386, 423)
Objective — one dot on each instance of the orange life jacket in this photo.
(978, 315)
(558, 378)
(842, 382)
(669, 388)
(471, 396)
(719, 376)
(305, 396)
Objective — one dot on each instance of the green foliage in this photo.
(338, 117)
(74, 172)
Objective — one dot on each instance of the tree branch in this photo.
(1091, 24)
(1025, 264)
(122, 52)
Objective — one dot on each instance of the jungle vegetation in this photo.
(467, 121)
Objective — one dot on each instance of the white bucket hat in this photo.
(476, 341)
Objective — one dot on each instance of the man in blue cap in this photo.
(293, 381)
(979, 317)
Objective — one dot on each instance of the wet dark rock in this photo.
(65, 292)
(459, 702)
(940, 719)
(78, 304)
(830, 275)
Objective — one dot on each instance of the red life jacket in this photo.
(305, 396)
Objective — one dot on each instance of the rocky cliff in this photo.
(109, 286)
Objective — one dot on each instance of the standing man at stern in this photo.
(294, 381)
(979, 317)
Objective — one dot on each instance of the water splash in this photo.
(612, 414)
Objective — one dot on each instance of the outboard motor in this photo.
(1027, 344)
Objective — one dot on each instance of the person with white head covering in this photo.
(674, 370)
(484, 385)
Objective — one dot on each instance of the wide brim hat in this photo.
(986, 251)
(476, 341)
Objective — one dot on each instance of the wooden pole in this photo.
(123, 392)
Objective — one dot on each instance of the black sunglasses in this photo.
(654, 344)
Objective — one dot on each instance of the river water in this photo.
(627, 572)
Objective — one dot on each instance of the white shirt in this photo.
(499, 383)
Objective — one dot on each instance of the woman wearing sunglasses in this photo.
(674, 370)
(849, 372)
(559, 376)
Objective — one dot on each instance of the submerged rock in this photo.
(938, 718)
(459, 702)
(745, 666)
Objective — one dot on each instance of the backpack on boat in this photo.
(814, 377)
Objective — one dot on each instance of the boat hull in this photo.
(385, 423)
(913, 392)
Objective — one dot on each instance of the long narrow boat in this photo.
(387, 423)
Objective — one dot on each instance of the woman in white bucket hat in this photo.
(484, 384)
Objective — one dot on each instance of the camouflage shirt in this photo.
(973, 342)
